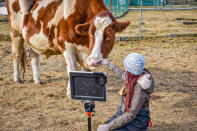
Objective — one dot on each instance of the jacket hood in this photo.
(147, 82)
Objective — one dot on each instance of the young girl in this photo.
(133, 112)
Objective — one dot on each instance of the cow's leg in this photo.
(35, 66)
(70, 58)
(17, 52)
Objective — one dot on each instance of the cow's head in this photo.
(101, 30)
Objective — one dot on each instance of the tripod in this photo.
(89, 109)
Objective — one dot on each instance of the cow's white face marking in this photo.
(100, 23)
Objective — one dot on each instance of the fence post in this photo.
(110, 3)
(187, 2)
(173, 4)
(141, 4)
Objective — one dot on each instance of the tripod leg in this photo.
(89, 124)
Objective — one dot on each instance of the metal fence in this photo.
(159, 18)
(120, 7)
(117, 7)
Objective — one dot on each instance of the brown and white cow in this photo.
(83, 31)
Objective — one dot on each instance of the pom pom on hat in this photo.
(134, 63)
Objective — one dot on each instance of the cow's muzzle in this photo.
(94, 61)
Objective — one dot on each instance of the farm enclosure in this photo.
(172, 61)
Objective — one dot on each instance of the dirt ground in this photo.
(173, 106)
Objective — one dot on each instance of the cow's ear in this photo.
(82, 29)
(120, 26)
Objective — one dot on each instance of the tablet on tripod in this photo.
(88, 86)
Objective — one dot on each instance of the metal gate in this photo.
(117, 7)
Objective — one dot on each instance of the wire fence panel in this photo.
(161, 18)
(117, 7)
(161, 23)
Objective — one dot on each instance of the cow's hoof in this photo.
(39, 82)
(19, 81)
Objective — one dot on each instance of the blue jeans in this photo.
(140, 123)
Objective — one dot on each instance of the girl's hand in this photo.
(105, 62)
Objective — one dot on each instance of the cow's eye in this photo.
(110, 37)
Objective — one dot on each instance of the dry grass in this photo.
(172, 61)
(4, 28)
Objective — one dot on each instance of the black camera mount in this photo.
(89, 109)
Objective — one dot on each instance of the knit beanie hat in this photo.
(134, 63)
